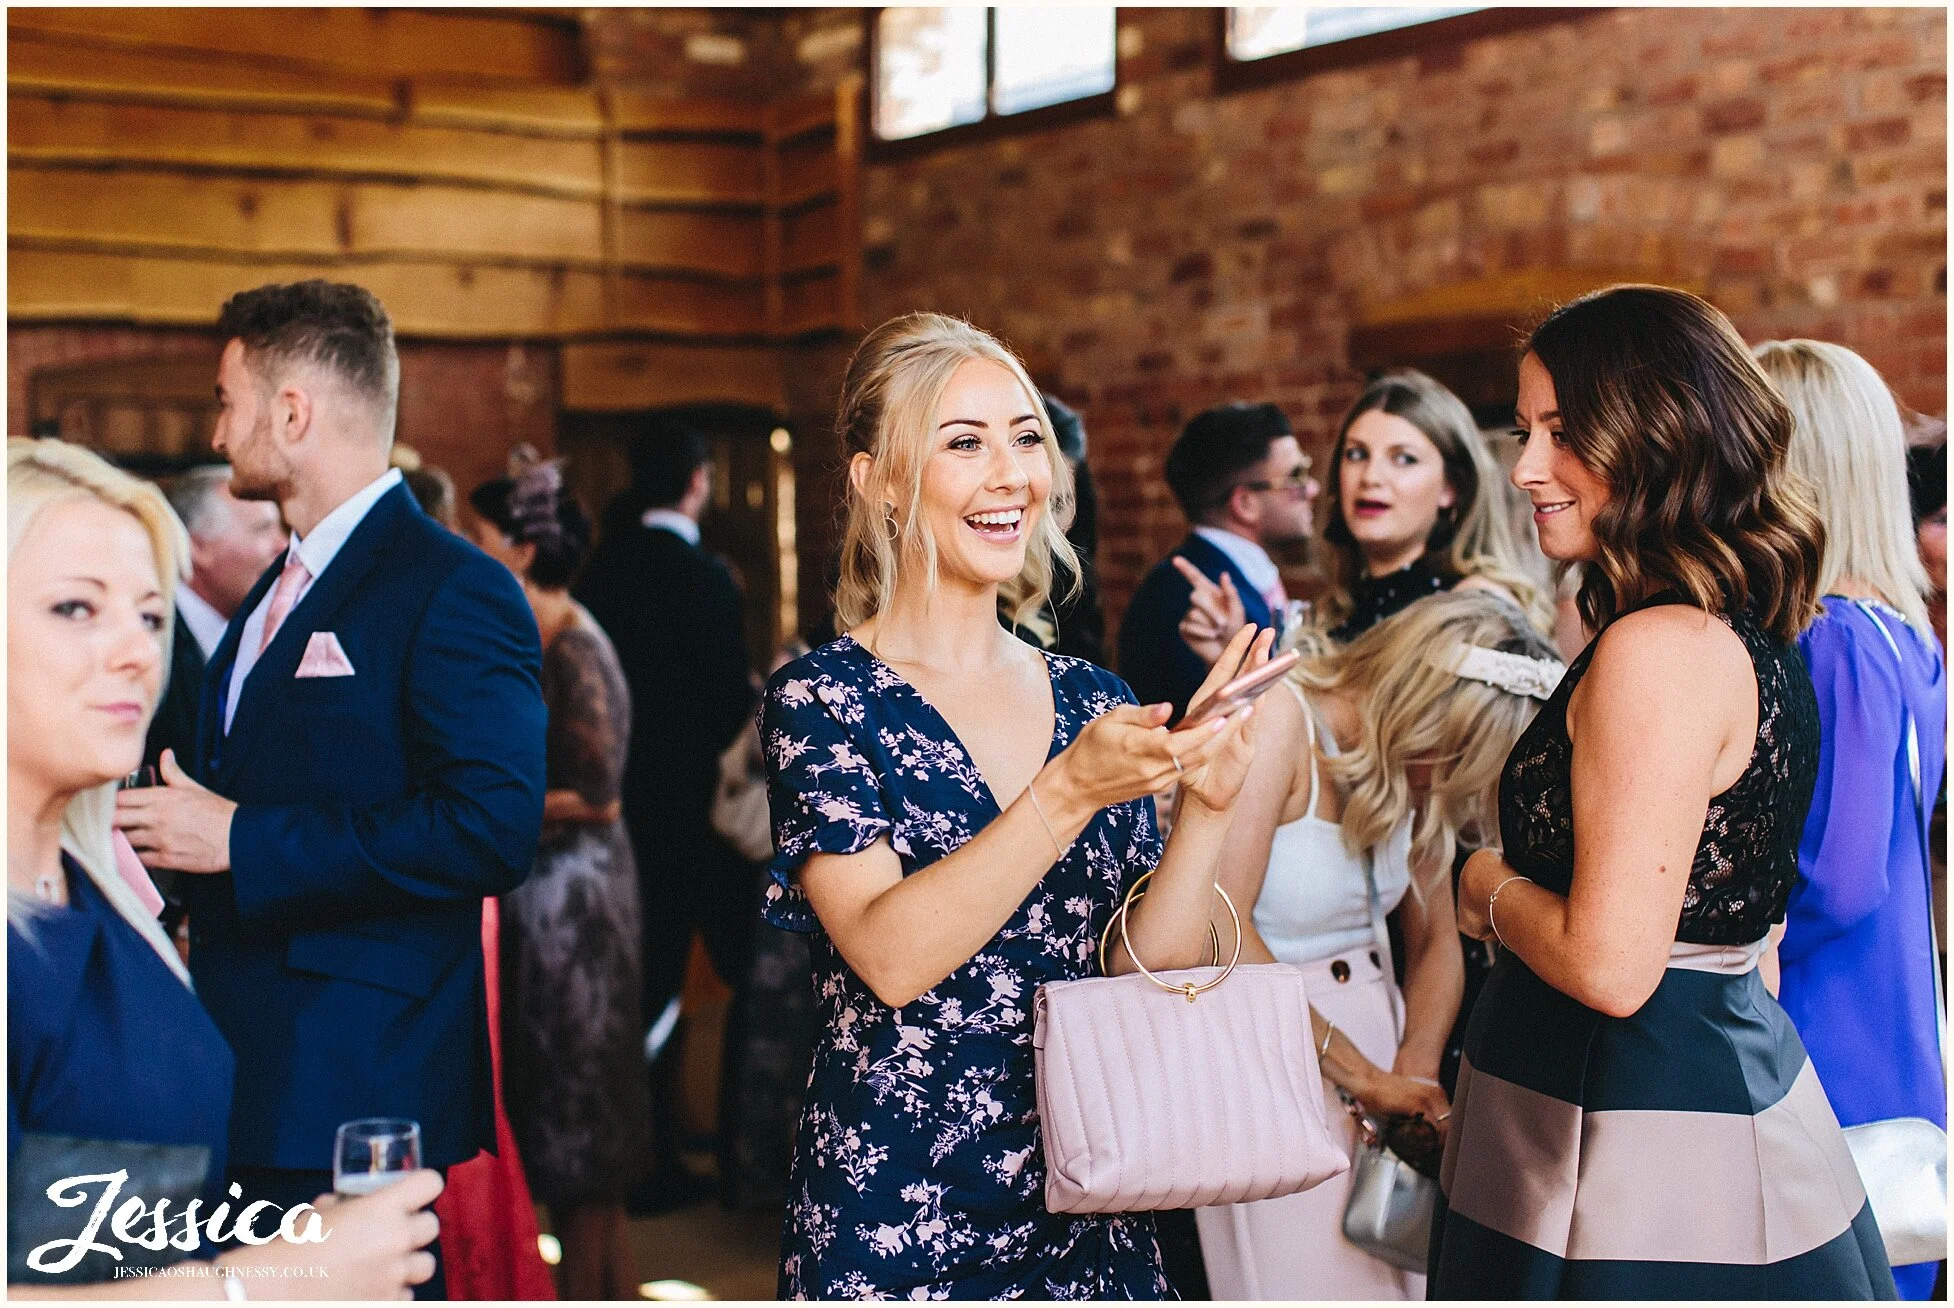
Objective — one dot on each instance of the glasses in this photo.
(1296, 482)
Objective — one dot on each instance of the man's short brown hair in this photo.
(334, 325)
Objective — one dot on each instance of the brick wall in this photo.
(461, 405)
(1202, 247)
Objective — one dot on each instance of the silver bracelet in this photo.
(1494, 899)
(233, 1284)
(1329, 1029)
(1030, 790)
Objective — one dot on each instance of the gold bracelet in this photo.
(1040, 809)
(1494, 899)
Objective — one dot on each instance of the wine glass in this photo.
(372, 1153)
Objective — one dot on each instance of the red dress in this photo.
(488, 1223)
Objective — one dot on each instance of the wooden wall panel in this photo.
(641, 114)
(715, 242)
(70, 130)
(812, 303)
(689, 308)
(620, 376)
(813, 238)
(690, 172)
(807, 173)
(36, 63)
(145, 207)
(469, 46)
(426, 299)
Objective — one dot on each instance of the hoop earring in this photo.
(892, 528)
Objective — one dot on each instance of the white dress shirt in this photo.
(317, 552)
(673, 521)
(1252, 559)
(204, 623)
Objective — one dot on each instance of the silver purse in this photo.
(1389, 1214)
(1902, 1161)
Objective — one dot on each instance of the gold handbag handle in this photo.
(1188, 988)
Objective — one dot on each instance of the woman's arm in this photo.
(1243, 862)
(1169, 925)
(1650, 748)
(1434, 976)
(903, 935)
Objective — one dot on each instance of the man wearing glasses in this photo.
(1244, 484)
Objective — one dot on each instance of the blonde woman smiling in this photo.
(957, 815)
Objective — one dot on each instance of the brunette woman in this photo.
(1636, 1115)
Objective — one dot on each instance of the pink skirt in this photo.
(1293, 1247)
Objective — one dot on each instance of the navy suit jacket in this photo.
(1153, 658)
(341, 955)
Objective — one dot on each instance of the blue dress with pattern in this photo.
(919, 1170)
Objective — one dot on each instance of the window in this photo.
(1260, 46)
(939, 69)
(1276, 29)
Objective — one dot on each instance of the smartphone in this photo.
(1240, 691)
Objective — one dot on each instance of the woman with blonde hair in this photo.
(1636, 1114)
(112, 1064)
(956, 817)
(1394, 745)
(1857, 958)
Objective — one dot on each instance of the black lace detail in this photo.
(1747, 860)
(1374, 599)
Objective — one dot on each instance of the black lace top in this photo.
(1374, 599)
(1747, 860)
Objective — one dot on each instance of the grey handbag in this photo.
(1902, 1161)
(1389, 1215)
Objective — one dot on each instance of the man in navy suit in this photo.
(371, 740)
(1244, 484)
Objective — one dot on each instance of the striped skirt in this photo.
(1687, 1152)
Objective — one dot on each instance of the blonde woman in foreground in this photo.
(112, 1063)
(1375, 760)
(957, 816)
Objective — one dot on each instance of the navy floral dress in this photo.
(919, 1171)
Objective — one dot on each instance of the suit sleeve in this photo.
(1843, 857)
(468, 825)
(727, 704)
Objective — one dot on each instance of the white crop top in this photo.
(1314, 904)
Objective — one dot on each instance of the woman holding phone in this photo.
(1392, 746)
(112, 1063)
(957, 816)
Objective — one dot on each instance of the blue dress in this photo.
(107, 1045)
(919, 1171)
(1856, 958)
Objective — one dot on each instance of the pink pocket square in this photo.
(324, 657)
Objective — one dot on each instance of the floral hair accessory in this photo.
(1515, 674)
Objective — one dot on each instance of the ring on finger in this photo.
(1178, 769)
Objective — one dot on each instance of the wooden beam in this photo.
(804, 115)
(812, 303)
(130, 207)
(40, 128)
(618, 377)
(464, 45)
(1519, 294)
(691, 172)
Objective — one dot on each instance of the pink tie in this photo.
(290, 582)
(1277, 598)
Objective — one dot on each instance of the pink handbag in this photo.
(1173, 1090)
